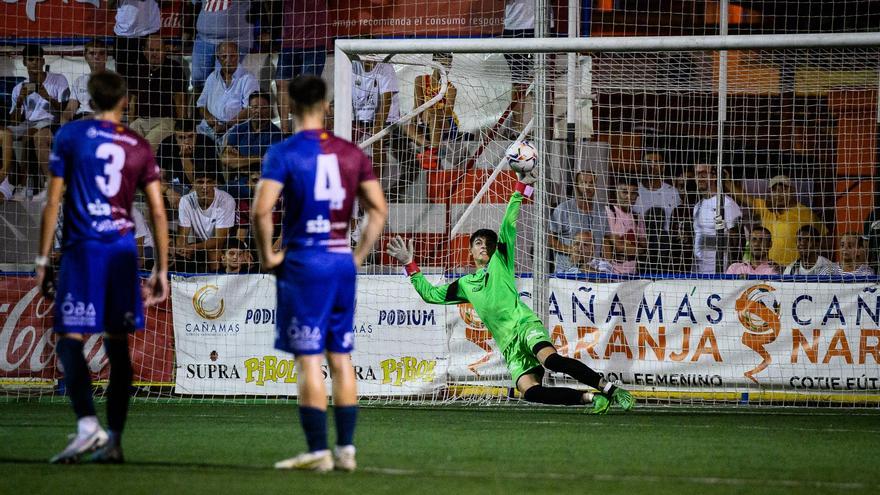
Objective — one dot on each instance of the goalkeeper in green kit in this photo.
(517, 330)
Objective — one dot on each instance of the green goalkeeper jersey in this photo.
(491, 289)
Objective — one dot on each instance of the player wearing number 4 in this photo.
(519, 333)
(102, 163)
(320, 176)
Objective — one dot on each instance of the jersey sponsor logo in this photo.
(318, 225)
(93, 133)
(303, 337)
(396, 372)
(98, 208)
(109, 225)
(77, 313)
(407, 317)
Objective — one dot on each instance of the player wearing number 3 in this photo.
(320, 176)
(102, 163)
(519, 333)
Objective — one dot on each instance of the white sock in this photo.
(607, 387)
(87, 425)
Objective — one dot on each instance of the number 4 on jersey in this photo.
(328, 183)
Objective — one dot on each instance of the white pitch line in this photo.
(699, 480)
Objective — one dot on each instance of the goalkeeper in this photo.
(522, 338)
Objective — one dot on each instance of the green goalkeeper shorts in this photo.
(518, 354)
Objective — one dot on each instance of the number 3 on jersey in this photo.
(328, 183)
(115, 156)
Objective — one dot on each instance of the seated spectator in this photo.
(36, 104)
(144, 239)
(135, 19)
(206, 215)
(243, 216)
(872, 234)
(781, 214)
(657, 254)
(219, 22)
(160, 94)
(853, 251)
(246, 144)
(808, 261)
(224, 99)
(759, 262)
(7, 189)
(438, 121)
(237, 258)
(627, 236)
(574, 217)
(79, 104)
(654, 189)
(304, 40)
(706, 242)
(179, 155)
(681, 240)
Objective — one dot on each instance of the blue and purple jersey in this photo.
(321, 175)
(103, 164)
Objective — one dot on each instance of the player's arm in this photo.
(403, 252)
(268, 191)
(731, 187)
(48, 223)
(373, 201)
(233, 159)
(507, 231)
(158, 282)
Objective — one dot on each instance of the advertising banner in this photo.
(225, 334)
(351, 18)
(27, 344)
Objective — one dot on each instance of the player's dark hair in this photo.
(489, 235)
(259, 94)
(306, 91)
(106, 90)
(235, 243)
(31, 51)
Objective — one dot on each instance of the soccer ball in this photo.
(522, 157)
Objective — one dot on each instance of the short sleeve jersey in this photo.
(103, 164)
(321, 175)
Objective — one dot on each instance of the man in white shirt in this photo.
(36, 103)
(79, 104)
(375, 106)
(135, 20)
(654, 190)
(206, 216)
(705, 212)
(519, 22)
(809, 262)
(144, 239)
(224, 99)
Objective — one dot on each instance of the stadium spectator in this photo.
(224, 98)
(571, 220)
(627, 232)
(246, 143)
(36, 105)
(781, 214)
(160, 93)
(179, 156)
(519, 22)
(809, 261)
(654, 190)
(707, 220)
(853, 252)
(237, 258)
(304, 40)
(206, 216)
(243, 230)
(79, 104)
(219, 21)
(872, 233)
(144, 239)
(375, 106)
(135, 20)
(759, 262)
(7, 189)
(438, 121)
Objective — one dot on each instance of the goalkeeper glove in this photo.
(403, 251)
(529, 178)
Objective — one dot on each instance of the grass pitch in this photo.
(229, 448)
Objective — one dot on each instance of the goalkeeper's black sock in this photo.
(554, 395)
(314, 423)
(346, 417)
(77, 381)
(119, 389)
(575, 369)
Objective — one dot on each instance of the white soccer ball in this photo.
(522, 157)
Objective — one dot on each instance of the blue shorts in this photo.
(316, 292)
(99, 289)
(294, 62)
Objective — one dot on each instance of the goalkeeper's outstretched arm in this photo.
(507, 231)
(434, 294)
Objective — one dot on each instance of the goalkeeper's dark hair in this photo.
(106, 90)
(489, 235)
(305, 92)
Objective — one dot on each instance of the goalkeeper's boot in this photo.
(344, 458)
(623, 398)
(80, 445)
(601, 404)
(111, 453)
(319, 461)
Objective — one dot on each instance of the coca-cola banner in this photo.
(27, 343)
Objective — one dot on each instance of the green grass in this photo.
(230, 448)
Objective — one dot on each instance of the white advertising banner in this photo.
(224, 330)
